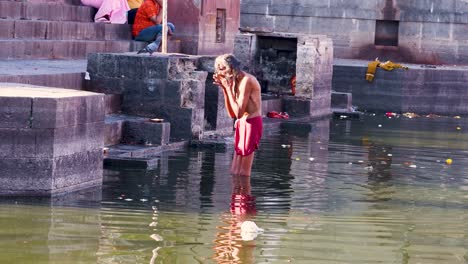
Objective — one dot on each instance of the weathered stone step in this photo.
(62, 30)
(46, 11)
(135, 130)
(52, 73)
(62, 49)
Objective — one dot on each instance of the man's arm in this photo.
(228, 105)
(245, 89)
(223, 85)
(157, 19)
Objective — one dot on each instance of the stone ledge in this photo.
(63, 30)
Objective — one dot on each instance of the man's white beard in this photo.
(229, 77)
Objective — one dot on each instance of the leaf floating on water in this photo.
(156, 237)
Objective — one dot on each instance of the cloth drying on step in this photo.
(109, 11)
(388, 66)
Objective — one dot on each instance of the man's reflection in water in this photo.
(229, 246)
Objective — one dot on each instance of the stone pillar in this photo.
(245, 47)
(51, 140)
(314, 69)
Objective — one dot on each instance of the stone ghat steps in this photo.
(45, 11)
(62, 49)
(62, 30)
(52, 73)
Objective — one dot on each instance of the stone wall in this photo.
(440, 90)
(51, 140)
(431, 32)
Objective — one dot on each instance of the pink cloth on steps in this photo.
(110, 11)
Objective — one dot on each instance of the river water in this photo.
(375, 190)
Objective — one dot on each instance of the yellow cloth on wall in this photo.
(388, 66)
(371, 68)
(134, 3)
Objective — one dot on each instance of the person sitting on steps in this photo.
(148, 25)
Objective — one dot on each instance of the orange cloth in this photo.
(293, 85)
(248, 134)
(142, 19)
(134, 3)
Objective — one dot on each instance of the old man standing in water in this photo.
(242, 97)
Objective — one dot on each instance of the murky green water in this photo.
(339, 192)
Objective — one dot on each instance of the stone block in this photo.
(68, 111)
(134, 163)
(181, 67)
(108, 66)
(260, 23)
(341, 100)
(15, 112)
(113, 131)
(297, 107)
(25, 29)
(61, 148)
(146, 132)
(48, 176)
(128, 67)
(156, 67)
(245, 48)
(271, 104)
(112, 103)
(7, 28)
(10, 10)
(81, 168)
(293, 24)
(92, 66)
(31, 176)
(47, 143)
(116, 31)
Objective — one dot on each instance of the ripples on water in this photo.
(326, 192)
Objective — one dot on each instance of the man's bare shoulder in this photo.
(250, 79)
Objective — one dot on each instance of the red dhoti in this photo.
(247, 136)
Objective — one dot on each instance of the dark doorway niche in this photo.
(220, 25)
(275, 63)
(386, 33)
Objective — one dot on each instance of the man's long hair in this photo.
(231, 62)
